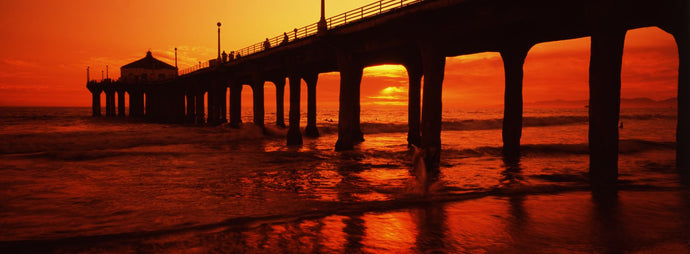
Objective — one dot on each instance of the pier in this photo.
(419, 35)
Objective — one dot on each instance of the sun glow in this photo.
(386, 70)
(392, 95)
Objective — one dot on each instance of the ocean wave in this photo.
(626, 146)
(485, 124)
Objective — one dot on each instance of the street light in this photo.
(218, 41)
(322, 26)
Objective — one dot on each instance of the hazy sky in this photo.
(47, 45)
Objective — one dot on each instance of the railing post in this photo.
(345, 18)
(380, 6)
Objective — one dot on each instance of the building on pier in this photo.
(147, 69)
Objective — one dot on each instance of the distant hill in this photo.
(625, 102)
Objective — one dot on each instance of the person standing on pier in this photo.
(285, 39)
(267, 44)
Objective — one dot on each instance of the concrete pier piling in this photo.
(433, 65)
(200, 107)
(311, 79)
(294, 135)
(604, 104)
(258, 95)
(120, 101)
(513, 60)
(414, 74)
(235, 105)
(348, 119)
(280, 104)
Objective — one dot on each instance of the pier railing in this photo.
(196, 67)
(367, 11)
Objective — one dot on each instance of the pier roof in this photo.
(148, 62)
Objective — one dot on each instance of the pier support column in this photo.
(179, 109)
(513, 60)
(280, 105)
(95, 88)
(110, 103)
(158, 104)
(433, 65)
(213, 104)
(109, 89)
(414, 74)
(683, 125)
(604, 104)
(147, 103)
(199, 103)
(151, 97)
(357, 134)
(223, 103)
(311, 79)
(294, 136)
(350, 79)
(258, 95)
(679, 27)
(190, 107)
(235, 105)
(96, 102)
(136, 102)
(121, 102)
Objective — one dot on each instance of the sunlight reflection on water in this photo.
(132, 187)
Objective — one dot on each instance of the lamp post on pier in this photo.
(322, 26)
(218, 41)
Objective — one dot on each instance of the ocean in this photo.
(70, 182)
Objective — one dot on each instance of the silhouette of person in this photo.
(285, 39)
(225, 56)
(231, 56)
(267, 44)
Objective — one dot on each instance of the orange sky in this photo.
(47, 46)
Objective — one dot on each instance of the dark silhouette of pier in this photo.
(420, 34)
